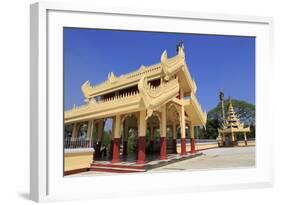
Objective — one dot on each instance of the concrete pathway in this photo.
(232, 157)
(217, 158)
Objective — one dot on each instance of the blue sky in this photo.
(215, 62)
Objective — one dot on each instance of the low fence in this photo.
(201, 141)
(202, 144)
(72, 143)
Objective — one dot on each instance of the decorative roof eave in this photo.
(114, 83)
(166, 68)
(194, 109)
(187, 81)
(154, 97)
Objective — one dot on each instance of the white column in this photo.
(142, 124)
(182, 123)
(192, 140)
(90, 129)
(163, 122)
(74, 131)
(117, 126)
(191, 128)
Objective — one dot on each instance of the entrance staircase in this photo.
(130, 166)
(117, 167)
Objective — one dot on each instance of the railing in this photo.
(73, 143)
(120, 98)
(203, 141)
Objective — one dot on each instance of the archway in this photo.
(153, 136)
(129, 137)
(173, 132)
(101, 137)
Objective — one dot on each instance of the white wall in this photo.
(14, 103)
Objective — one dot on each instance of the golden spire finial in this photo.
(229, 102)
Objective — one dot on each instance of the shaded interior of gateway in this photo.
(128, 140)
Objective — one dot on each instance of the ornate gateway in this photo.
(158, 96)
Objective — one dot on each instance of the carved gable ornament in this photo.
(111, 77)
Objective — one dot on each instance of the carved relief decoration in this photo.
(154, 97)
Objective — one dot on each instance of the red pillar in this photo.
(125, 148)
(115, 154)
(175, 146)
(141, 150)
(183, 146)
(192, 145)
(163, 148)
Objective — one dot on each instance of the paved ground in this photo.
(217, 158)
(232, 157)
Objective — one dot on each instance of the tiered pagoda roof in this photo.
(232, 122)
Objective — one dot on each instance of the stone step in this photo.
(124, 166)
(115, 169)
(132, 167)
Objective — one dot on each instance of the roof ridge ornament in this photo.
(111, 77)
(86, 89)
(180, 48)
(164, 56)
(164, 59)
(142, 68)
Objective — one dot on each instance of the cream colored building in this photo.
(158, 96)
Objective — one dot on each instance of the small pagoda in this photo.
(231, 126)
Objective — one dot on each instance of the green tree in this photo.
(212, 126)
(244, 111)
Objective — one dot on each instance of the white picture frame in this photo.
(46, 151)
